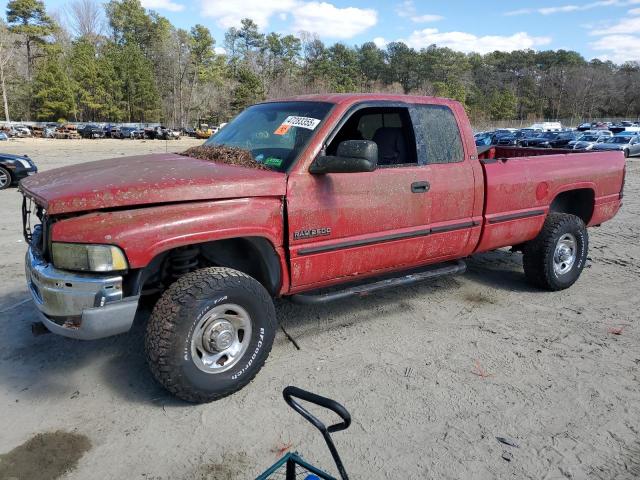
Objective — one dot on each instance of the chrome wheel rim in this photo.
(4, 178)
(221, 338)
(565, 254)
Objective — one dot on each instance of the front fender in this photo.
(146, 232)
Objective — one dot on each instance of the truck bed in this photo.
(521, 185)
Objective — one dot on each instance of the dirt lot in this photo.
(431, 374)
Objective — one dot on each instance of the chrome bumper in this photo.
(78, 305)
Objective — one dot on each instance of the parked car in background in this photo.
(165, 133)
(563, 139)
(542, 140)
(514, 138)
(3, 137)
(547, 126)
(586, 141)
(483, 139)
(129, 132)
(111, 131)
(91, 131)
(49, 132)
(14, 168)
(21, 131)
(627, 133)
(630, 145)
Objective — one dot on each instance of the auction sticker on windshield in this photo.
(295, 121)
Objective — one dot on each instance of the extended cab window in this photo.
(389, 127)
(274, 133)
(437, 134)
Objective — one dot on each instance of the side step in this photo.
(362, 290)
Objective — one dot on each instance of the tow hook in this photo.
(38, 329)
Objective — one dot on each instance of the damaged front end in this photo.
(79, 305)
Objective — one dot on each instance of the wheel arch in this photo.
(578, 201)
(253, 255)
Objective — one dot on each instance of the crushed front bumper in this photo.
(78, 305)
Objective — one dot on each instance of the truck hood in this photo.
(147, 179)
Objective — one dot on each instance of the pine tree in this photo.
(29, 19)
(53, 88)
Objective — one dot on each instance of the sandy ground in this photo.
(431, 373)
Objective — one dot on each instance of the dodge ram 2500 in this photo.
(353, 193)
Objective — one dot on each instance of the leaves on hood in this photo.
(223, 154)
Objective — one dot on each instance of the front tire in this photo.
(5, 178)
(555, 259)
(210, 333)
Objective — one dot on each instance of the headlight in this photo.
(89, 258)
(24, 163)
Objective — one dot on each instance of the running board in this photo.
(362, 290)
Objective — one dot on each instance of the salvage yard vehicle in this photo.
(317, 198)
(14, 168)
(586, 141)
(91, 131)
(628, 144)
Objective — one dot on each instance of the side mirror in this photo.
(352, 156)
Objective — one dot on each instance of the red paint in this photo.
(205, 201)
(147, 179)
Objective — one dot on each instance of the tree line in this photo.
(120, 62)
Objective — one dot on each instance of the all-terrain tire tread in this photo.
(536, 251)
(196, 285)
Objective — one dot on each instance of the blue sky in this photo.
(608, 29)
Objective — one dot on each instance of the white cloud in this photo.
(618, 48)
(624, 26)
(322, 18)
(427, 18)
(327, 20)
(162, 5)
(380, 42)
(220, 50)
(407, 9)
(573, 7)
(619, 41)
(228, 13)
(468, 42)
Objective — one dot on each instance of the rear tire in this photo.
(210, 333)
(5, 178)
(626, 154)
(555, 258)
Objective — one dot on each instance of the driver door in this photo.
(356, 224)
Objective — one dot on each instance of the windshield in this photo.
(588, 138)
(274, 133)
(617, 140)
(549, 135)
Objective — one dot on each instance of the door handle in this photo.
(420, 187)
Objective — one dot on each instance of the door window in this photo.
(390, 128)
(437, 134)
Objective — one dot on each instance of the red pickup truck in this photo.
(343, 195)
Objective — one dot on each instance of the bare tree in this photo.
(6, 53)
(85, 18)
